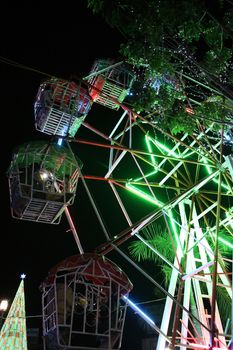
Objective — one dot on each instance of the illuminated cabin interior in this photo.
(43, 179)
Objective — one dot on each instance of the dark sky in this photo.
(60, 41)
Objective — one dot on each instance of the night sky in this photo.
(60, 41)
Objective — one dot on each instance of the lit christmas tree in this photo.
(13, 334)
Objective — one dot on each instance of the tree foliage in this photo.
(187, 42)
(156, 238)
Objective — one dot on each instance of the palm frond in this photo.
(158, 239)
(224, 304)
(167, 272)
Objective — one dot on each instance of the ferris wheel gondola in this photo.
(109, 82)
(60, 107)
(43, 179)
(83, 305)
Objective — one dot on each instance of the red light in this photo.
(189, 110)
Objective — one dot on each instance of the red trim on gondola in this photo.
(96, 268)
(98, 86)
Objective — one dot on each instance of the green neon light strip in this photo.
(147, 175)
(222, 185)
(150, 150)
(144, 195)
(160, 205)
(163, 147)
(188, 154)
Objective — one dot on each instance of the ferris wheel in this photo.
(155, 179)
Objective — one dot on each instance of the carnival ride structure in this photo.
(182, 183)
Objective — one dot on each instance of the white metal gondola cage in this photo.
(83, 305)
(43, 179)
(60, 107)
(109, 82)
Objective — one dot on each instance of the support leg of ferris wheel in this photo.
(173, 282)
(205, 250)
(174, 278)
